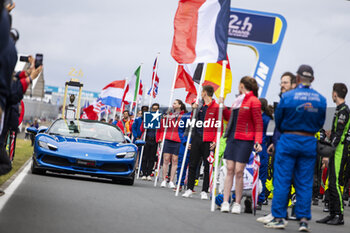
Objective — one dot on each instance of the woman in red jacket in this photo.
(172, 141)
(244, 133)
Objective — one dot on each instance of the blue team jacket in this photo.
(302, 109)
(136, 127)
(183, 133)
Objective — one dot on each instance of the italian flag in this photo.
(134, 87)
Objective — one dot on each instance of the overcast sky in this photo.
(109, 39)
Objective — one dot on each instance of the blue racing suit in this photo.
(300, 114)
(183, 137)
(264, 158)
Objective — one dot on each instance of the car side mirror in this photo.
(127, 139)
(32, 130)
(139, 142)
(42, 129)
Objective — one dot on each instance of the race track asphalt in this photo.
(75, 204)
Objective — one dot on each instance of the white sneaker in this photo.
(143, 178)
(149, 178)
(204, 195)
(171, 185)
(163, 184)
(265, 219)
(276, 224)
(188, 193)
(236, 208)
(225, 207)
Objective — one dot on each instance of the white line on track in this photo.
(14, 185)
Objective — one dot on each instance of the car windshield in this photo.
(86, 129)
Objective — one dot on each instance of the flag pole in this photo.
(121, 110)
(121, 107)
(114, 113)
(218, 134)
(149, 106)
(136, 100)
(107, 113)
(165, 128)
(137, 91)
(153, 80)
(130, 107)
(190, 133)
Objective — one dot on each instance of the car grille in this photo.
(114, 167)
(59, 161)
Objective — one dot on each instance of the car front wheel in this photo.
(36, 170)
(126, 181)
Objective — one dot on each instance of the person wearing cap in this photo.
(299, 115)
(337, 161)
(288, 82)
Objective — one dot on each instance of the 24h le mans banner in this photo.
(263, 32)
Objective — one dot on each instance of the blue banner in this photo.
(264, 33)
(60, 90)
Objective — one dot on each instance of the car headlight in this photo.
(129, 155)
(46, 145)
(126, 155)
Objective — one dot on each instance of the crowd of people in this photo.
(289, 159)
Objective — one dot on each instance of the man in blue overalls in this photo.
(299, 115)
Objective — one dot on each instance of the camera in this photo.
(38, 60)
(24, 58)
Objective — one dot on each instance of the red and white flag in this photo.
(155, 81)
(89, 113)
(201, 31)
(92, 111)
(97, 106)
(185, 79)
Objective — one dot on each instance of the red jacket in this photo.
(211, 116)
(172, 132)
(249, 124)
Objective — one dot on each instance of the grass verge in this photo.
(23, 152)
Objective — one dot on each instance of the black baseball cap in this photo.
(306, 71)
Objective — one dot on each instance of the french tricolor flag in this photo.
(112, 94)
(201, 31)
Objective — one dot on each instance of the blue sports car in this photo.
(85, 147)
